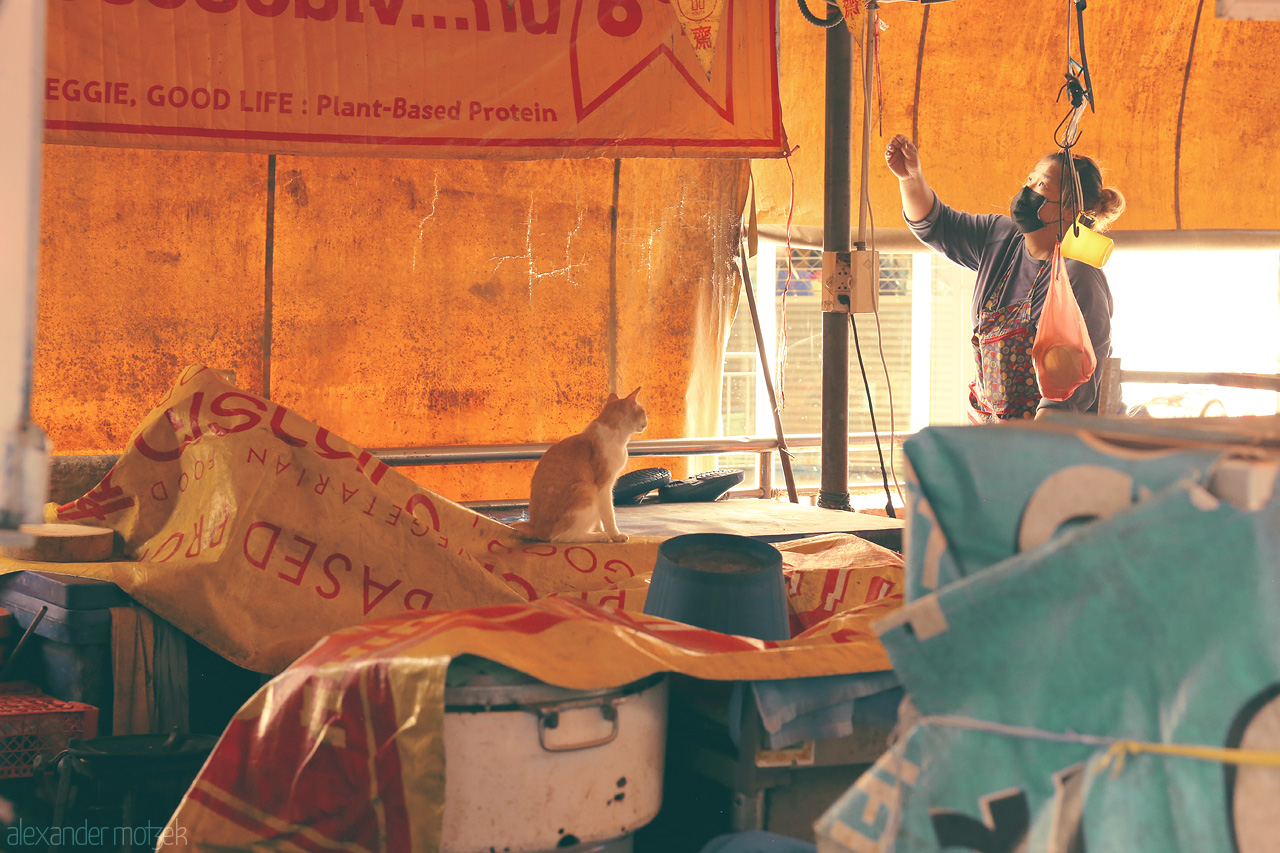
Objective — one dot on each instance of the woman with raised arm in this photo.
(1012, 255)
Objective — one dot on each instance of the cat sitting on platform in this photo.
(571, 497)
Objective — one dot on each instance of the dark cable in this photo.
(884, 471)
(836, 15)
(1084, 60)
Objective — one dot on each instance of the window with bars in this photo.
(1162, 321)
(886, 342)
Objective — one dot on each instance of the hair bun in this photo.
(1110, 205)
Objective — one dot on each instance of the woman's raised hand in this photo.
(904, 161)
(903, 157)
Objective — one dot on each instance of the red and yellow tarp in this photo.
(410, 78)
(344, 750)
(258, 532)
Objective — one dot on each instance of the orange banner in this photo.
(410, 78)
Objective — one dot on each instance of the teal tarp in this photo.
(1158, 624)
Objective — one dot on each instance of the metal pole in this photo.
(784, 455)
(833, 491)
(24, 462)
(868, 70)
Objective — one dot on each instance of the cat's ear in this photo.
(633, 394)
(612, 398)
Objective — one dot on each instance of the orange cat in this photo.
(571, 497)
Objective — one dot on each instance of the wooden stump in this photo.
(63, 543)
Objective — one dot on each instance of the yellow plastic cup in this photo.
(1087, 246)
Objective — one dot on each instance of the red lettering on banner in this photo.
(568, 552)
(423, 594)
(322, 485)
(156, 455)
(378, 471)
(191, 373)
(847, 635)
(280, 469)
(524, 584)
(536, 551)
(270, 545)
(302, 564)
(251, 418)
(175, 420)
(369, 511)
(618, 565)
(388, 11)
(496, 547)
(418, 500)
(368, 582)
(444, 542)
(489, 567)
(197, 538)
(183, 479)
(103, 500)
(517, 618)
(620, 598)
(878, 588)
(164, 491)
(414, 529)
(394, 518)
(348, 494)
(302, 474)
(277, 428)
(176, 545)
(219, 530)
(337, 587)
(833, 589)
(177, 423)
(253, 454)
(324, 451)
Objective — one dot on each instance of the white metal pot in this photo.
(532, 767)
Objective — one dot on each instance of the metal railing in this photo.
(763, 446)
(73, 476)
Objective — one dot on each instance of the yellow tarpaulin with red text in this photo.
(263, 535)
(411, 78)
(258, 532)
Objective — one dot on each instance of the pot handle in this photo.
(549, 718)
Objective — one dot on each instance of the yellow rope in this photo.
(1117, 753)
(1117, 750)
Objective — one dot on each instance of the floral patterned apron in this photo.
(1006, 387)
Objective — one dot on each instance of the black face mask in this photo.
(1025, 210)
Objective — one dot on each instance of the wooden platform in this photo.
(766, 520)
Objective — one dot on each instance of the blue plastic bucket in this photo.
(721, 582)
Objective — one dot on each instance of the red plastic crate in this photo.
(34, 724)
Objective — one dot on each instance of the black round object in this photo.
(634, 485)
(707, 486)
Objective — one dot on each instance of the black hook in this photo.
(836, 15)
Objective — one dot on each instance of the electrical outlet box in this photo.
(864, 294)
(851, 282)
(837, 281)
